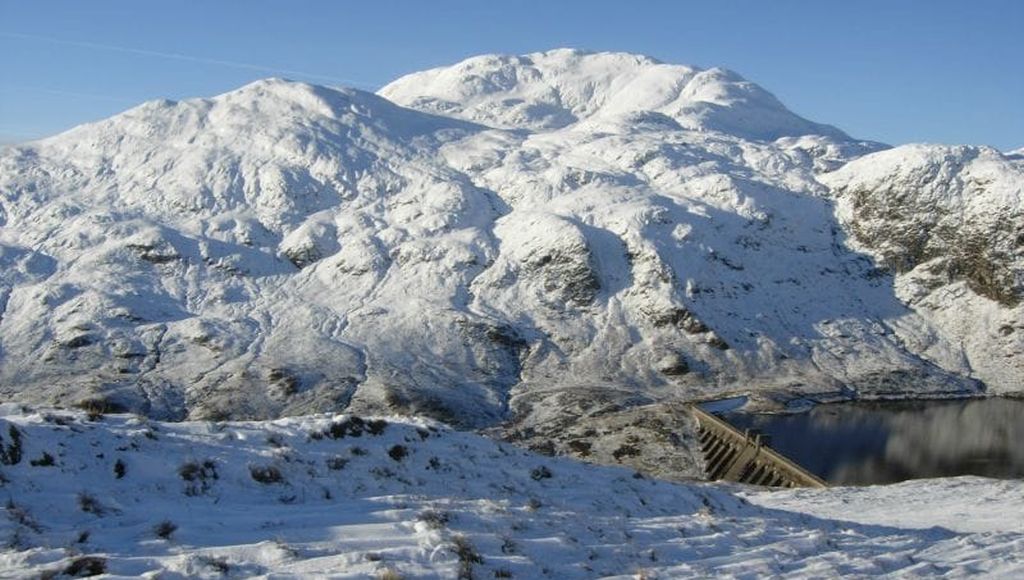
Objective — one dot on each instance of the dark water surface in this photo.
(883, 442)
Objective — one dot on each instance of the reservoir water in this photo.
(864, 443)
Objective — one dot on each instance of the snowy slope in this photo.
(566, 243)
(558, 88)
(950, 222)
(343, 497)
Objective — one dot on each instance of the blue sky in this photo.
(895, 71)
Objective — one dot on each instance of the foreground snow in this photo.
(337, 496)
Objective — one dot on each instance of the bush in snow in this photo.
(398, 452)
(85, 566)
(539, 473)
(164, 529)
(266, 474)
(217, 564)
(199, 477)
(434, 519)
(336, 463)
(89, 504)
(10, 453)
(45, 461)
(467, 556)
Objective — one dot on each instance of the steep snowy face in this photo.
(554, 89)
(634, 238)
(950, 222)
(153, 259)
(275, 150)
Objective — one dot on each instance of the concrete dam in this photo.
(745, 457)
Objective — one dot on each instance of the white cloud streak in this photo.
(186, 58)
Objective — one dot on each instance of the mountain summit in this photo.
(551, 90)
(567, 244)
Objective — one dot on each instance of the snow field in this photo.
(338, 496)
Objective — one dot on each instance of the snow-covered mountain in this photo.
(566, 243)
(556, 89)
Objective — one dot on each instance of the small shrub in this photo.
(546, 447)
(389, 574)
(467, 556)
(626, 450)
(376, 426)
(86, 566)
(193, 471)
(398, 452)
(336, 463)
(96, 408)
(539, 473)
(89, 504)
(199, 477)
(219, 564)
(165, 529)
(502, 573)
(358, 451)
(351, 427)
(434, 519)
(83, 537)
(10, 453)
(287, 384)
(120, 469)
(580, 447)
(266, 474)
(61, 420)
(288, 551)
(508, 546)
(45, 461)
(533, 504)
(21, 516)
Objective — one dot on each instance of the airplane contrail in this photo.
(185, 57)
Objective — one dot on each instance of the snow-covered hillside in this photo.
(950, 222)
(556, 89)
(343, 497)
(565, 243)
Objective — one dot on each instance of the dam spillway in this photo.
(745, 457)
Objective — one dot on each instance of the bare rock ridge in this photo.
(550, 241)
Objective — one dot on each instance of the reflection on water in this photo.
(884, 442)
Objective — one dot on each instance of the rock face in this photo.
(507, 239)
(949, 221)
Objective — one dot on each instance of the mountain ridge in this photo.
(553, 89)
(286, 249)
